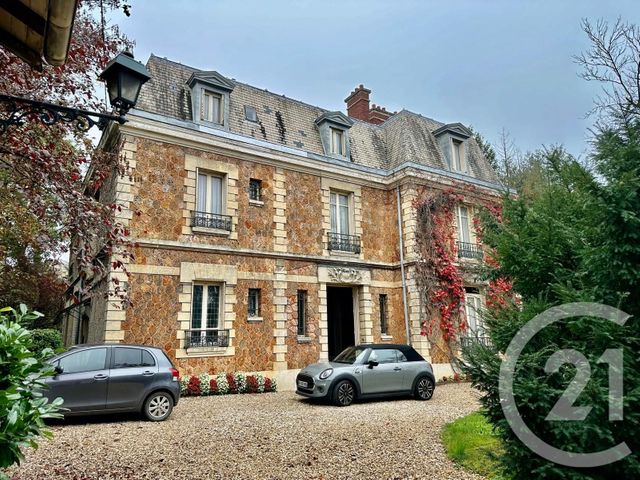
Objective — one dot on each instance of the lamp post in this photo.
(124, 77)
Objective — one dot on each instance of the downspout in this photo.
(404, 281)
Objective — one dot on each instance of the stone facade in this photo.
(277, 241)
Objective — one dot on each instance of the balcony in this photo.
(211, 220)
(475, 340)
(207, 338)
(469, 250)
(343, 243)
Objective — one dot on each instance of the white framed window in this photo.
(472, 311)
(457, 153)
(212, 107)
(338, 146)
(340, 215)
(205, 307)
(209, 193)
(464, 233)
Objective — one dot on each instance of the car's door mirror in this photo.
(372, 363)
(58, 369)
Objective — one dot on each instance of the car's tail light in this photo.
(175, 375)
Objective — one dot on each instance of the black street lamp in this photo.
(124, 77)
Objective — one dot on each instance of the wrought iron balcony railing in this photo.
(211, 220)
(343, 243)
(472, 339)
(206, 338)
(469, 250)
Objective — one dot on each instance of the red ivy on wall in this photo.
(441, 281)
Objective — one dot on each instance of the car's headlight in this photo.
(326, 373)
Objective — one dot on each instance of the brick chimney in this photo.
(358, 107)
(358, 103)
(378, 114)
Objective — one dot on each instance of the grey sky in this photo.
(489, 64)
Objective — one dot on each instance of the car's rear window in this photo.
(132, 357)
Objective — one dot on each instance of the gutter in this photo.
(404, 281)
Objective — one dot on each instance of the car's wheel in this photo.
(344, 393)
(158, 406)
(424, 388)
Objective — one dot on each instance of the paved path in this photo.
(270, 436)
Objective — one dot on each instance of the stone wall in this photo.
(380, 239)
(158, 191)
(304, 213)
(255, 222)
(254, 340)
(303, 351)
(395, 312)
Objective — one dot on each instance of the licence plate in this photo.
(303, 384)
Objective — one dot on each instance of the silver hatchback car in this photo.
(94, 379)
(363, 371)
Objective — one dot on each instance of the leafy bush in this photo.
(22, 408)
(575, 238)
(42, 338)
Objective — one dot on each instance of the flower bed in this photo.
(224, 383)
(455, 378)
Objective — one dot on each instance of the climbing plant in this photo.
(440, 277)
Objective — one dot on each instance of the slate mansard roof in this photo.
(404, 137)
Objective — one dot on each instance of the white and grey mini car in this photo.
(366, 371)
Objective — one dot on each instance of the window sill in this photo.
(344, 253)
(256, 203)
(211, 231)
(304, 339)
(254, 319)
(386, 338)
(208, 352)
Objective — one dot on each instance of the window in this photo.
(84, 361)
(337, 142)
(472, 309)
(212, 107)
(385, 355)
(464, 235)
(302, 313)
(250, 113)
(205, 307)
(132, 357)
(255, 190)
(340, 213)
(254, 303)
(209, 193)
(458, 155)
(384, 327)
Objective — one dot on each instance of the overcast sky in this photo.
(489, 64)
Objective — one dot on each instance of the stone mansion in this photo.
(271, 233)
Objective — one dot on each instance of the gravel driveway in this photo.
(274, 435)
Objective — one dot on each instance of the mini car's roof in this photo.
(408, 350)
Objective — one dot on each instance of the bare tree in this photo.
(614, 61)
(507, 158)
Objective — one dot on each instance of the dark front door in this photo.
(340, 319)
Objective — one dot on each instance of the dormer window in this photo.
(210, 94)
(334, 128)
(337, 142)
(212, 107)
(452, 139)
